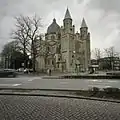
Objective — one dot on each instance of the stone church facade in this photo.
(67, 51)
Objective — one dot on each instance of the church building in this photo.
(67, 51)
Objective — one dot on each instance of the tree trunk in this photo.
(5, 63)
(24, 63)
(34, 62)
(34, 57)
(24, 52)
(45, 61)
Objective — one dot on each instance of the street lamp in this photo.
(29, 56)
(112, 66)
(74, 52)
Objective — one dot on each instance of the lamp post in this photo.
(29, 56)
(76, 69)
(112, 66)
(6, 62)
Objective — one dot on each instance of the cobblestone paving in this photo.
(50, 108)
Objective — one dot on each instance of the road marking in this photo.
(16, 85)
(34, 78)
(99, 86)
(10, 85)
(107, 86)
(30, 79)
(63, 82)
(95, 80)
(113, 81)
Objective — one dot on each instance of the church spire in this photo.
(83, 25)
(67, 14)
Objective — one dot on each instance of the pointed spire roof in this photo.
(67, 14)
(83, 23)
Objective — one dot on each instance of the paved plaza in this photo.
(55, 108)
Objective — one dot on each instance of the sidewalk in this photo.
(59, 75)
(99, 75)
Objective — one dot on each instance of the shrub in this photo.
(111, 90)
(94, 89)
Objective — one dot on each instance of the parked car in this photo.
(21, 70)
(30, 70)
(7, 73)
(116, 73)
(26, 70)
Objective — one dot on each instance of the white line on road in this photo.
(113, 81)
(10, 85)
(99, 86)
(16, 85)
(30, 79)
(63, 82)
(95, 80)
(34, 78)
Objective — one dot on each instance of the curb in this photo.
(53, 77)
(54, 95)
(82, 77)
(62, 90)
(62, 96)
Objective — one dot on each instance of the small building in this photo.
(107, 63)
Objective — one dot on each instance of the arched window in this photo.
(58, 65)
(48, 62)
(52, 62)
(59, 36)
(46, 37)
(48, 48)
(52, 37)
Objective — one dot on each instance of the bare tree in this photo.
(110, 52)
(97, 53)
(37, 49)
(8, 50)
(10, 47)
(28, 33)
(111, 55)
(21, 34)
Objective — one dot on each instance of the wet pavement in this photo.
(75, 84)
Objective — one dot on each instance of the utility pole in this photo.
(76, 67)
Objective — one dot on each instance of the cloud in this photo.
(102, 17)
(107, 5)
(108, 26)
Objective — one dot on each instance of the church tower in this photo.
(67, 22)
(84, 29)
(67, 41)
(85, 37)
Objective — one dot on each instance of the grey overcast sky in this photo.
(102, 17)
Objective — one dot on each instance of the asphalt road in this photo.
(38, 82)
